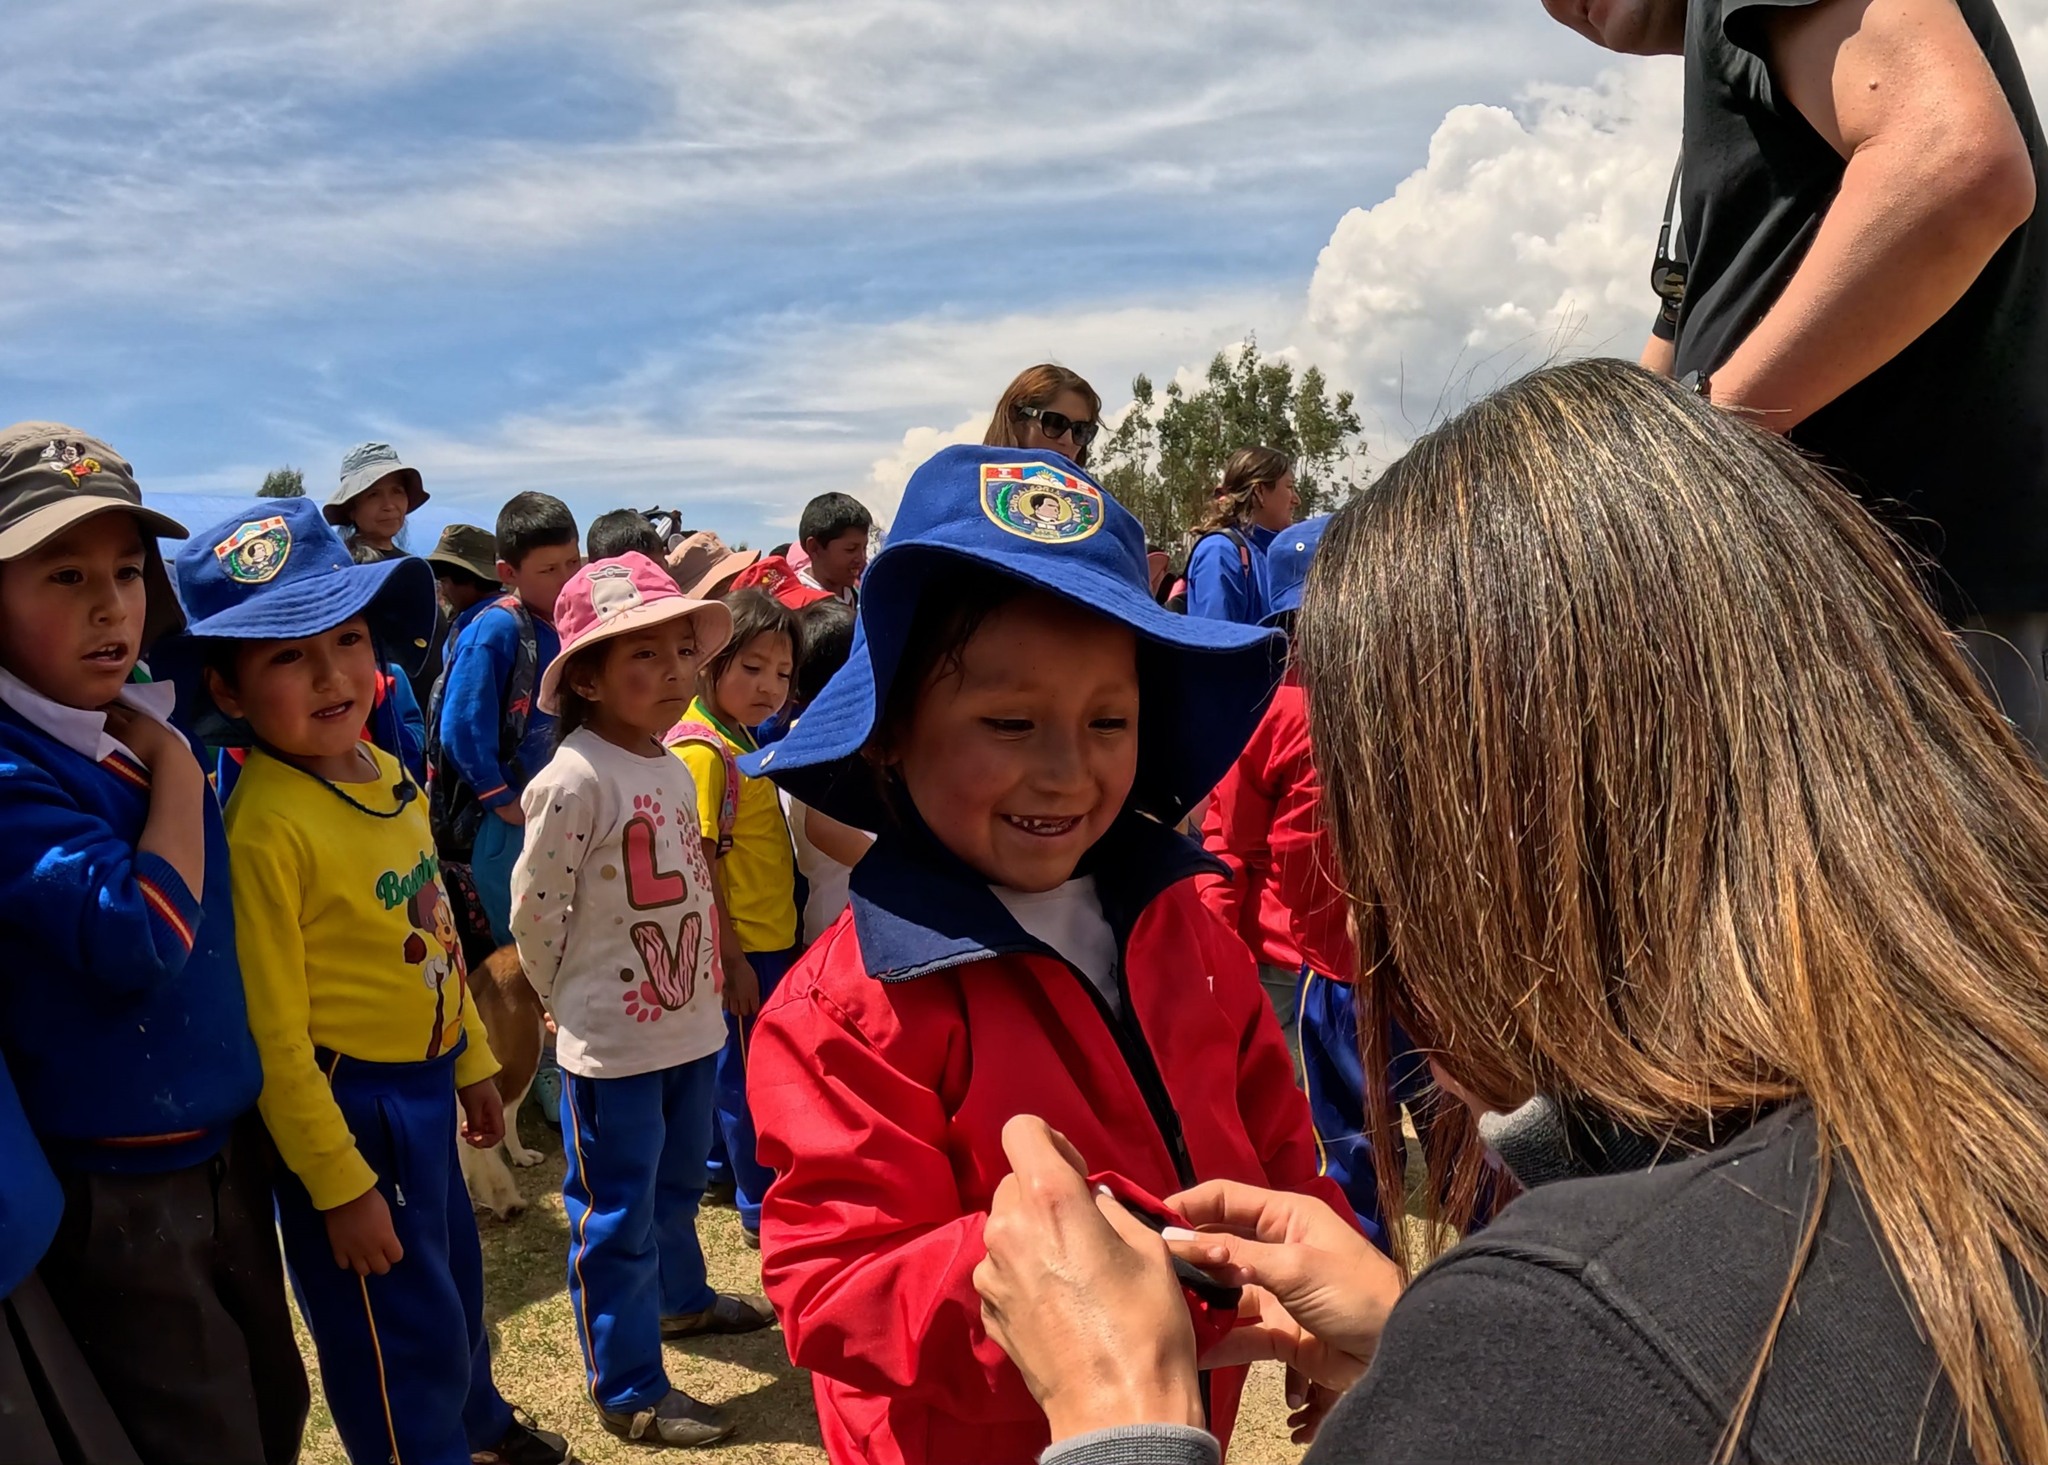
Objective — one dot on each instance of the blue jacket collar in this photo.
(917, 909)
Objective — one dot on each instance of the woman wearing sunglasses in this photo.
(1047, 408)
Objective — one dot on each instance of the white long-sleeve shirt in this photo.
(612, 910)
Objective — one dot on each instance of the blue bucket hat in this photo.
(1287, 560)
(1040, 519)
(278, 571)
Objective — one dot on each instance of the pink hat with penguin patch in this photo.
(615, 597)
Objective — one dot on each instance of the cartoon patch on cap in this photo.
(612, 590)
(1040, 502)
(70, 458)
(254, 553)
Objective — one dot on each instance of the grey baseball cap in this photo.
(53, 476)
(365, 464)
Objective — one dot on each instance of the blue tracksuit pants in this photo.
(490, 866)
(404, 1359)
(636, 1150)
(1335, 1079)
(736, 1124)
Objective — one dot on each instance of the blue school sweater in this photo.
(1221, 586)
(31, 1202)
(473, 704)
(121, 1009)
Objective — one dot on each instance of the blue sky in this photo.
(725, 257)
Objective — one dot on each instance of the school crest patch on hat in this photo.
(71, 458)
(256, 551)
(1040, 502)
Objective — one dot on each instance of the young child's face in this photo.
(379, 510)
(308, 698)
(459, 592)
(647, 678)
(1022, 762)
(837, 563)
(71, 611)
(538, 579)
(754, 686)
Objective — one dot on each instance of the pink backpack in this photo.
(729, 802)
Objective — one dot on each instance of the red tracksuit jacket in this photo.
(1236, 829)
(881, 1074)
(1266, 819)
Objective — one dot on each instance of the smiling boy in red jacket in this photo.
(1024, 727)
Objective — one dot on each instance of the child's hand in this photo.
(483, 1113)
(511, 813)
(161, 750)
(362, 1235)
(742, 996)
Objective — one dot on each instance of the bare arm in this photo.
(1660, 355)
(837, 842)
(742, 988)
(1938, 178)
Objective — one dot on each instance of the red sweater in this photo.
(881, 1075)
(1271, 822)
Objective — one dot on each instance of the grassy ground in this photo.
(540, 1368)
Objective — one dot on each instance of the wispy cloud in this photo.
(727, 256)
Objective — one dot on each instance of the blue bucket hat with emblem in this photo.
(1287, 560)
(1038, 518)
(278, 571)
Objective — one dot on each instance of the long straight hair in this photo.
(1658, 788)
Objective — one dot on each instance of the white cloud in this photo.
(1525, 234)
(224, 173)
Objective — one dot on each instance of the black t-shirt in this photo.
(1949, 440)
(1618, 1318)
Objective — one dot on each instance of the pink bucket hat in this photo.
(608, 598)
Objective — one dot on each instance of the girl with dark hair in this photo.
(1047, 409)
(1678, 830)
(1227, 566)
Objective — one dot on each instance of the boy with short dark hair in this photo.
(624, 531)
(121, 1006)
(356, 984)
(494, 737)
(834, 532)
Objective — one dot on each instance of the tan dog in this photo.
(513, 1017)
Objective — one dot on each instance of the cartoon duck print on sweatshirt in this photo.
(670, 971)
(433, 945)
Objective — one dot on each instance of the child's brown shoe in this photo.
(677, 1419)
(729, 1313)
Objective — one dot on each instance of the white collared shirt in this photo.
(84, 729)
(844, 597)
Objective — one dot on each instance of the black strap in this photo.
(1668, 272)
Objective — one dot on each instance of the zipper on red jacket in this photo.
(1144, 1069)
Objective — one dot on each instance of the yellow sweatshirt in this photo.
(347, 942)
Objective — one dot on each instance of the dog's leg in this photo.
(490, 1183)
(517, 1152)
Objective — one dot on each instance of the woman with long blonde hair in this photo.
(1677, 827)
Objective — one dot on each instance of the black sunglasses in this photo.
(1058, 424)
